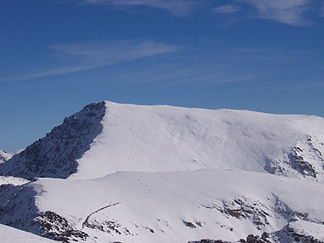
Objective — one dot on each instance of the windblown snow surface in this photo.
(128, 173)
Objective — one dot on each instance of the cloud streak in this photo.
(176, 7)
(226, 9)
(73, 58)
(285, 11)
(290, 12)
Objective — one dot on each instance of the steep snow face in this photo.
(164, 138)
(12, 235)
(55, 155)
(167, 207)
(4, 156)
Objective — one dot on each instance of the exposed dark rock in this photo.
(58, 228)
(255, 211)
(189, 224)
(55, 155)
(250, 239)
(297, 237)
(299, 159)
(208, 241)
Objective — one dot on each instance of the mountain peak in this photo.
(106, 137)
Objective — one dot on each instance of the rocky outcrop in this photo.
(56, 154)
(244, 208)
(297, 231)
(304, 159)
(58, 228)
(264, 238)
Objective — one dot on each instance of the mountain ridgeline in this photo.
(107, 137)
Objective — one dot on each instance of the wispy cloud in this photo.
(285, 11)
(73, 58)
(211, 66)
(177, 7)
(226, 9)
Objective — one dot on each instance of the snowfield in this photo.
(115, 172)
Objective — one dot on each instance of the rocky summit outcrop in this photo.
(55, 155)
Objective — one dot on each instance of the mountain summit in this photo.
(106, 137)
(129, 173)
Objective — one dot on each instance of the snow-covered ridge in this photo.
(134, 137)
(107, 137)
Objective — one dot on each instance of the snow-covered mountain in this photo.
(107, 137)
(128, 173)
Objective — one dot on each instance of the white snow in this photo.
(162, 201)
(165, 138)
(4, 180)
(307, 228)
(12, 235)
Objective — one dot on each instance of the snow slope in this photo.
(166, 207)
(115, 172)
(135, 137)
(12, 235)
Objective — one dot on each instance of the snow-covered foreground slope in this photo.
(12, 235)
(107, 137)
(143, 174)
(165, 207)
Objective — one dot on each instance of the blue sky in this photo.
(59, 55)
